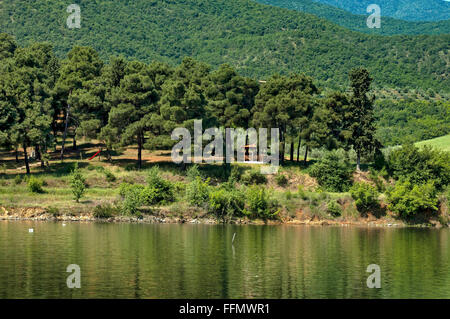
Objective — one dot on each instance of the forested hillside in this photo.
(258, 40)
(413, 10)
(358, 22)
(409, 120)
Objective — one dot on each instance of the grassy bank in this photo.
(236, 193)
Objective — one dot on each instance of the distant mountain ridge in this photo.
(411, 10)
(356, 22)
(258, 40)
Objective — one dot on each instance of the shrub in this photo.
(407, 200)
(132, 199)
(365, 196)
(420, 165)
(253, 177)
(130, 167)
(281, 180)
(226, 204)
(100, 169)
(235, 175)
(35, 185)
(375, 177)
(193, 172)
(53, 211)
(125, 187)
(334, 209)
(260, 203)
(18, 179)
(104, 211)
(301, 192)
(77, 183)
(197, 192)
(333, 172)
(158, 190)
(110, 177)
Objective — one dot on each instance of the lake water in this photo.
(200, 261)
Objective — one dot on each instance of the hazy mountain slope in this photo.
(413, 10)
(389, 26)
(258, 40)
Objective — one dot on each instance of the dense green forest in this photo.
(45, 100)
(402, 121)
(413, 10)
(257, 40)
(390, 26)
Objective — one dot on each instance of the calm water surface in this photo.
(199, 261)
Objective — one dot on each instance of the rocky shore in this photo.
(39, 214)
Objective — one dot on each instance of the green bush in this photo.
(132, 199)
(197, 192)
(77, 183)
(104, 211)
(110, 177)
(407, 199)
(35, 185)
(365, 196)
(301, 192)
(420, 165)
(158, 190)
(260, 203)
(333, 172)
(226, 204)
(334, 209)
(18, 179)
(193, 172)
(281, 180)
(53, 211)
(253, 176)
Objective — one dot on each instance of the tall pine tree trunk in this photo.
(65, 132)
(139, 151)
(55, 136)
(292, 150)
(38, 152)
(298, 148)
(74, 145)
(306, 154)
(17, 154)
(282, 148)
(358, 161)
(27, 165)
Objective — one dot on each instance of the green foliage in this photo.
(197, 192)
(53, 211)
(412, 10)
(420, 166)
(18, 179)
(253, 177)
(77, 183)
(132, 201)
(281, 180)
(333, 172)
(110, 177)
(226, 204)
(193, 172)
(104, 211)
(158, 190)
(407, 199)
(408, 121)
(35, 185)
(234, 32)
(358, 22)
(365, 196)
(334, 209)
(260, 203)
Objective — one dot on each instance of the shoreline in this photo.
(39, 214)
